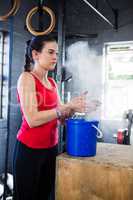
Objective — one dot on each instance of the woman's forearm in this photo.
(41, 117)
(38, 118)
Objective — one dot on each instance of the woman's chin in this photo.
(51, 68)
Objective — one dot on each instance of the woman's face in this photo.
(47, 58)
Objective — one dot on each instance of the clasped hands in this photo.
(78, 104)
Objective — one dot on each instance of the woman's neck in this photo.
(41, 74)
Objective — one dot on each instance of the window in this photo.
(118, 79)
(4, 70)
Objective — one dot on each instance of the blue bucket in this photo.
(81, 137)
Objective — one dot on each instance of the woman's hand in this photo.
(77, 104)
(92, 105)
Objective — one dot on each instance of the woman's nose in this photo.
(55, 56)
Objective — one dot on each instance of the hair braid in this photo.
(27, 66)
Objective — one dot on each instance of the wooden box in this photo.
(107, 176)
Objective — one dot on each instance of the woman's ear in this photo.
(35, 55)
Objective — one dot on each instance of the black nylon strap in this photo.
(40, 16)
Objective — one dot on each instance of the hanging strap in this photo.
(40, 3)
(40, 15)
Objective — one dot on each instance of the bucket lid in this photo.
(76, 121)
(81, 120)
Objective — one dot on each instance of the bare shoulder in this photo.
(25, 79)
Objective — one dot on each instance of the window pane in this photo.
(119, 80)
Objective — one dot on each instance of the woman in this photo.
(36, 147)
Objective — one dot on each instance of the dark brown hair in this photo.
(36, 43)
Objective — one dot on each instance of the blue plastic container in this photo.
(81, 137)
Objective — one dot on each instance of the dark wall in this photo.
(20, 36)
(80, 18)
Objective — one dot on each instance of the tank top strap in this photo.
(52, 81)
(34, 76)
(36, 79)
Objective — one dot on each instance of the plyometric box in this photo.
(107, 176)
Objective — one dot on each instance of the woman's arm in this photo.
(28, 101)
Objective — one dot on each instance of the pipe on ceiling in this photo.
(104, 18)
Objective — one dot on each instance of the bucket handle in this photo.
(100, 135)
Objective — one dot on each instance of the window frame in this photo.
(105, 75)
(4, 72)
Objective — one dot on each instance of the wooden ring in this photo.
(17, 7)
(12, 11)
(32, 12)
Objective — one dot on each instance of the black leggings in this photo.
(34, 173)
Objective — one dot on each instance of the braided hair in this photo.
(36, 43)
(27, 66)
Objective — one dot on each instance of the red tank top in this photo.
(45, 135)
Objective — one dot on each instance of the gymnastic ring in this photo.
(18, 2)
(32, 12)
(28, 21)
(13, 11)
(17, 7)
(4, 17)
